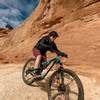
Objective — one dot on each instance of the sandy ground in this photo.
(12, 86)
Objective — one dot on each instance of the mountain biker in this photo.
(45, 44)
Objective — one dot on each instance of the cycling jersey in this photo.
(45, 44)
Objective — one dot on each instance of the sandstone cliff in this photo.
(77, 21)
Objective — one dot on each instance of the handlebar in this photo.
(62, 54)
(66, 56)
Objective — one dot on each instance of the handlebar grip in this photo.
(66, 55)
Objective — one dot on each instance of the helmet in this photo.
(54, 34)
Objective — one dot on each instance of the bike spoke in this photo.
(73, 92)
(61, 96)
(69, 79)
(67, 97)
(55, 95)
(29, 78)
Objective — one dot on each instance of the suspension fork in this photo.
(60, 71)
(61, 86)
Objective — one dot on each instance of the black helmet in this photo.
(54, 34)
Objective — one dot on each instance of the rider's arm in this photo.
(58, 52)
(55, 49)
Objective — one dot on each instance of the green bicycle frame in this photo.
(55, 60)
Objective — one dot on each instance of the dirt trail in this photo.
(13, 88)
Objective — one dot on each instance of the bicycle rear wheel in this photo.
(29, 72)
(71, 89)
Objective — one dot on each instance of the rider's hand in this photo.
(66, 55)
(63, 54)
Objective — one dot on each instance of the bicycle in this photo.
(60, 82)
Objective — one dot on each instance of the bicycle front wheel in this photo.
(70, 89)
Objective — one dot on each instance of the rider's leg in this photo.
(38, 61)
(44, 57)
(38, 57)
